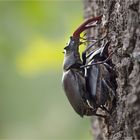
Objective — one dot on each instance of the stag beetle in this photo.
(88, 83)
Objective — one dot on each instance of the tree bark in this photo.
(123, 25)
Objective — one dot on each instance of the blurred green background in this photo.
(32, 102)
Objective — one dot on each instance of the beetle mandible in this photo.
(88, 83)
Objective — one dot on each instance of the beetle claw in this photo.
(105, 109)
(83, 27)
(89, 104)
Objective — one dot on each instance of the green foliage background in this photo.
(32, 102)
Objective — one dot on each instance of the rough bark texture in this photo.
(123, 18)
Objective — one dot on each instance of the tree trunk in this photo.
(123, 20)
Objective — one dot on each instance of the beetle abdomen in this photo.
(74, 87)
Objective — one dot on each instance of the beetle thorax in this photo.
(72, 60)
(72, 56)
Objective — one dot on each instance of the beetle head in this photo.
(72, 56)
(72, 45)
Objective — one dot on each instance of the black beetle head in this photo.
(72, 45)
(72, 56)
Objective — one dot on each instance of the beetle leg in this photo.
(105, 109)
(85, 72)
(84, 57)
(89, 38)
(99, 62)
(93, 112)
(108, 66)
(89, 104)
(96, 41)
(109, 87)
(99, 115)
(108, 94)
(104, 51)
